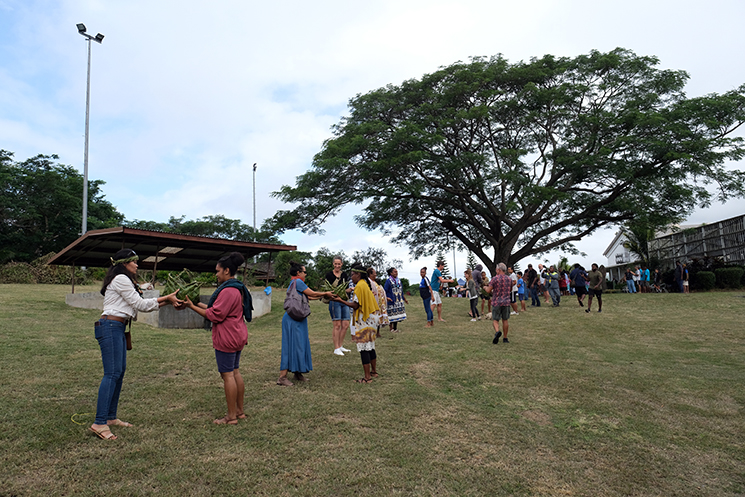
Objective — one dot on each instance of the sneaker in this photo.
(600, 310)
(474, 319)
(513, 313)
(587, 310)
(339, 352)
(496, 337)
(505, 340)
(479, 318)
(581, 304)
(344, 349)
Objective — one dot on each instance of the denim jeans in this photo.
(534, 299)
(428, 308)
(630, 286)
(110, 336)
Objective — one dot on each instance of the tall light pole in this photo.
(98, 38)
(255, 257)
(254, 201)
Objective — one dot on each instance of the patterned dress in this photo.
(394, 291)
(379, 293)
(365, 321)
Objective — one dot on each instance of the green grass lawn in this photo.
(644, 399)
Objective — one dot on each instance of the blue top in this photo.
(520, 286)
(300, 286)
(435, 280)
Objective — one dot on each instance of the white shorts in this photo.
(436, 300)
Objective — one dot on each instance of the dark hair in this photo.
(390, 270)
(424, 268)
(295, 268)
(118, 269)
(358, 268)
(231, 262)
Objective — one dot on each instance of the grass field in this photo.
(644, 399)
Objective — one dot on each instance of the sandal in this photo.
(118, 422)
(364, 380)
(241, 415)
(374, 374)
(225, 421)
(102, 433)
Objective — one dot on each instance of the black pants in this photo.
(368, 355)
(474, 308)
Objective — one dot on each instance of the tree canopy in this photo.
(41, 207)
(513, 160)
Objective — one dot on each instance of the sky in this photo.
(187, 95)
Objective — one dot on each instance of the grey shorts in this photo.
(500, 312)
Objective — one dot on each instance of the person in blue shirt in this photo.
(436, 280)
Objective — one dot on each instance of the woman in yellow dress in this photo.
(365, 321)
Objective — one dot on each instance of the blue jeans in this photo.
(428, 308)
(110, 336)
(534, 300)
(630, 286)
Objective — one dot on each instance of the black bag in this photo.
(296, 305)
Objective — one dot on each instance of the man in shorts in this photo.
(596, 287)
(500, 287)
(435, 282)
(578, 276)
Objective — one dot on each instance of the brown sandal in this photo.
(101, 433)
(225, 421)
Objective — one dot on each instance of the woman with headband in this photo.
(122, 300)
(365, 319)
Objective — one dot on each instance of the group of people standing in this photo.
(368, 306)
(228, 308)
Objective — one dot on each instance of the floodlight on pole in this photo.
(98, 38)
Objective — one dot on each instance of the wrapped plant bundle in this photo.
(185, 284)
(339, 290)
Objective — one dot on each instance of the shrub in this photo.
(16, 272)
(728, 277)
(705, 280)
(39, 272)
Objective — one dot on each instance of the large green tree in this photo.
(41, 207)
(513, 160)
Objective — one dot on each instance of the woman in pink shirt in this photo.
(229, 333)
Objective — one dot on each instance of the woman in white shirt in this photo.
(122, 299)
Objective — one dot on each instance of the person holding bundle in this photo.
(122, 300)
(226, 311)
(364, 323)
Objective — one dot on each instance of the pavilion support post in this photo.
(268, 268)
(155, 266)
(245, 264)
(72, 277)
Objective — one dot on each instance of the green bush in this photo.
(705, 280)
(16, 272)
(39, 272)
(729, 277)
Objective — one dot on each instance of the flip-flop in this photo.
(101, 433)
(374, 374)
(119, 422)
(364, 380)
(225, 421)
(241, 415)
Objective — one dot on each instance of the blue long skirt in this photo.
(295, 346)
